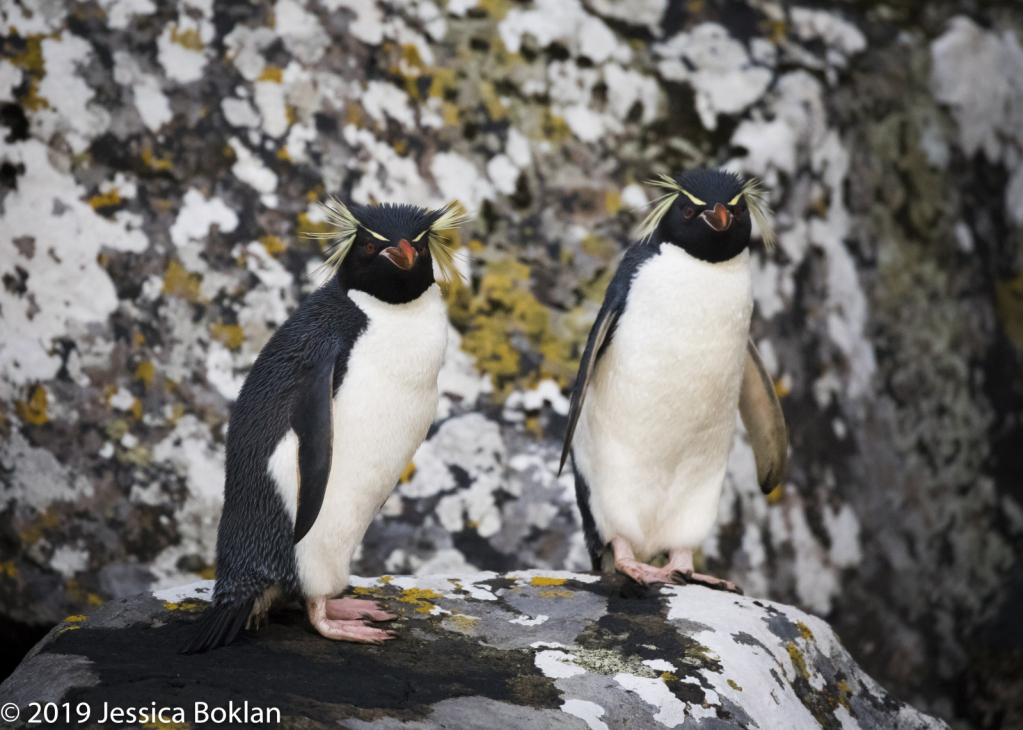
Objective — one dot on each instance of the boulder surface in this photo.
(543, 649)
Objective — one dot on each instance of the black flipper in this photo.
(311, 418)
(764, 421)
(219, 626)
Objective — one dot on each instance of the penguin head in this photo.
(389, 250)
(708, 213)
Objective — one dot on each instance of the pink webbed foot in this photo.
(626, 563)
(340, 629)
(354, 609)
(719, 584)
(642, 573)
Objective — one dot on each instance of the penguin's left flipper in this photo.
(600, 337)
(764, 421)
(312, 420)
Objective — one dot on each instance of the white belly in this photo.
(381, 415)
(657, 424)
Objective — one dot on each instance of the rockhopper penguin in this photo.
(328, 418)
(667, 363)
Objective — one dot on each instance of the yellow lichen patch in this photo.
(271, 73)
(774, 30)
(776, 496)
(541, 580)
(46, 521)
(406, 476)
(181, 283)
(231, 335)
(1009, 305)
(138, 340)
(555, 129)
(418, 597)
(443, 79)
(599, 247)
(555, 593)
(31, 61)
(842, 685)
(156, 163)
(282, 154)
(733, 685)
(496, 9)
(145, 371)
(9, 569)
(668, 677)
(189, 38)
(449, 112)
(504, 308)
(136, 408)
(105, 200)
(74, 619)
(190, 607)
(460, 623)
(386, 578)
(208, 573)
(781, 387)
(797, 660)
(273, 245)
(612, 202)
(804, 630)
(34, 409)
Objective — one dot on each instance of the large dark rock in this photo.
(533, 649)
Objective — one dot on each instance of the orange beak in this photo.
(403, 255)
(719, 219)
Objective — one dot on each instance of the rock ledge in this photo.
(543, 649)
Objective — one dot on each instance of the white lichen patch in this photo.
(718, 68)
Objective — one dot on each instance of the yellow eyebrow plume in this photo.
(375, 234)
(735, 200)
(692, 197)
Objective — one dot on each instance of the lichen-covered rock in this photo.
(158, 165)
(527, 649)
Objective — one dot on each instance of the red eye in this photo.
(688, 212)
(738, 212)
(369, 248)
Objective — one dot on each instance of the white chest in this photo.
(657, 424)
(381, 414)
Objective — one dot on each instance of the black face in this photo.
(712, 223)
(390, 257)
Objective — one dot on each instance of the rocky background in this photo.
(159, 164)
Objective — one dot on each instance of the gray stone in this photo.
(528, 649)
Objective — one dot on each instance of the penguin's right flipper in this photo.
(219, 626)
(764, 421)
(600, 338)
(312, 421)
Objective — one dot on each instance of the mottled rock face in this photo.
(549, 649)
(158, 168)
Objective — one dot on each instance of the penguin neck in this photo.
(705, 248)
(370, 303)
(392, 287)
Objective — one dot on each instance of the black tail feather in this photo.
(219, 626)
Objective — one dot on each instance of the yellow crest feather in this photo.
(452, 215)
(344, 229)
(756, 201)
